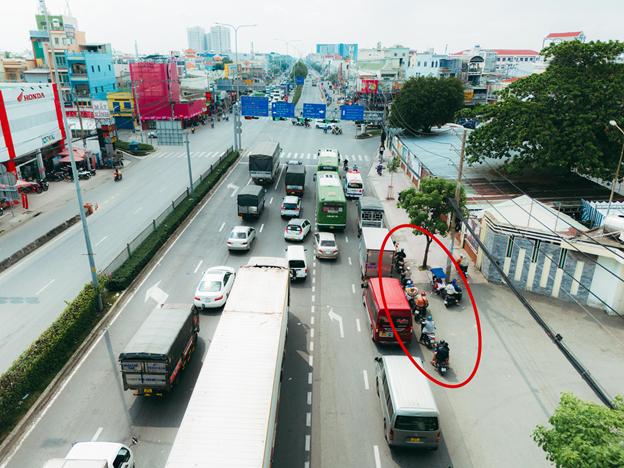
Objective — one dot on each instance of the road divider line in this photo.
(271, 200)
(312, 309)
(100, 241)
(309, 378)
(313, 280)
(198, 265)
(311, 332)
(353, 288)
(377, 459)
(262, 227)
(279, 175)
(311, 346)
(163, 189)
(138, 210)
(44, 287)
(312, 320)
(313, 298)
(311, 360)
(313, 288)
(307, 443)
(346, 239)
(314, 272)
(349, 260)
(366, 380)
(97, 434)
(357, 324)
(222, 226)
(309, 398)
(308, 419)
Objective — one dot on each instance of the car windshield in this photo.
(290, 206)
(294, 228)
(210, 286)
(328, 243)
(238, 235)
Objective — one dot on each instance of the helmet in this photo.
(453, 281)
(423, 294)
(408, 268)
(409, 281)
(429, 318)
(442, 342)
(402, 249)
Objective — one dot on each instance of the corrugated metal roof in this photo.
(566, 34)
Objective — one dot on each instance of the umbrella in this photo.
(78, 153)
(22, 184)
(68, 158)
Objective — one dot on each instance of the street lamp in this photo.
(617, 170)
(288, 42)
(236, 28)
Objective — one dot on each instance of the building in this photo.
(208, 42)
(344, 50)
(557, 38)
(31, 130)
(91, 73)
(196, 37)
(429, 63)
(220, 39)
(121, 109)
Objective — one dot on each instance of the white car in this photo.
(325, 245)
(297, 229)
(215, 287)
(241, 238)
(291, 207)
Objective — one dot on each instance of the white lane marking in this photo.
(295, 156)
(313, 287)
(377, 459)
(311, 332)
(346, 239)
(198, 265)
(309, 378)
(288, 155)
(366, 380)
(307, 444)
(309, 398)
(353, 288)
(248, 181)
(312, 320)
(313, 298)
(315, 155)
(97, 434)
(262, 227)
(349, 260)
(308, 156)
(360, 156)
(271, 200)
(279, 176)
(138, 210)
(311, 358)
(311, 346)
(312, 309)
(44, 287)
(357, 323)
(313, 280)
(222, 226)
(338, 318)
(314, 272)
(163, 189)
(101, 241)
(309, 419)
(314, 263)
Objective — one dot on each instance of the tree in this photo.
(227, 60)
(584, 434)
(333, 78)
(392, 167)
(558, 119)
(426, 101)
(299, 70)
(425, 206)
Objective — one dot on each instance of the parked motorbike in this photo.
(379, 169)
(84, 175)
(54, 176)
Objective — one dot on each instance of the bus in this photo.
(332, 204)
(231, 418)
(329, 160)
(353, 184)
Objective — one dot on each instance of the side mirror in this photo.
(363, 285)
(377, 359)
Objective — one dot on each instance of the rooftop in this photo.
(565, 34)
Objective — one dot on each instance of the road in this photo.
(329, 413)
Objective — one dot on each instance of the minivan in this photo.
(398, 309)
(410, 413)
(295, 256)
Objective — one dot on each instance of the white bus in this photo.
(231, 417)
(353, 184)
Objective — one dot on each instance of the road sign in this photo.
(283, 109)
(255, 106)
(300, 81)
(314, 111)
(352, 112)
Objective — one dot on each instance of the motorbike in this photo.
(452, 299)
(54, 176)
(227, 119)
(437, 279)
(211, 124)
(399, 263)
(118, 177)
(84, 175)
(429, 339)
(379, 169)
(337, 131)
(297, 122)
(346, 165)
(192, 129)
(442, 367)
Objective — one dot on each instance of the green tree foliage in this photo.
(333, 78)
(584, 434)
(558, 119)
(426, 101)
(227, 60)
(317, 67)
(299, 70)
(425, 205)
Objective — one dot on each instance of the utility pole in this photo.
(449, 264)
(188, 157)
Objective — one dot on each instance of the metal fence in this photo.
(138, 240)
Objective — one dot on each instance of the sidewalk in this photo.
(414, 245)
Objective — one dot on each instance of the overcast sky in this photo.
(160, 26)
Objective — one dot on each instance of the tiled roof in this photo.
(514, 51)
(567, 34)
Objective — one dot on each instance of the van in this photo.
(295, 256)
(398, 309)
(410, 413)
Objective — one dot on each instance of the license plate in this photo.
(415, 439)
(292, 237)
(147, 390)
(386, 334)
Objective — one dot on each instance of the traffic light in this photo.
(208, 97)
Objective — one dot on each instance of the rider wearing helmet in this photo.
(401, 255)
(421, 300)
(411, 291)
(441, 353)
(427, 326)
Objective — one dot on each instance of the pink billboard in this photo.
(157, 86)
(369, 86)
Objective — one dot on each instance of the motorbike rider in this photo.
(346, 164)
(355, 167)
(406, 275)
(442, 353)
(400, 256)
(426, 326)
(411, 291)
(117, 174)
(379, 168)
(192, 129)
(450, 289)
(421, 301)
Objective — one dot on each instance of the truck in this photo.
(153, 360)
(264, 162)
(294, 179)
(95, 455)
(370, 247)
(370, 213)
(250, 201)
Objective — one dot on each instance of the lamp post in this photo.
(238, 106)
(287, 42)
(617, 170)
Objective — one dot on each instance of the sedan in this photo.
(297, 229)
(291, 207)
(325, 245)
(241, 238)
(214, 288)
(153, 134)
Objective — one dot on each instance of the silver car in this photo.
(291, 207)
(241, 238)
(325, 245)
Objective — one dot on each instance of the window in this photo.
(92, 69)
(395, 54)
(432, 64)
(509, 246)
(419, 64)
(436, 63)
(416, 423)
(424, 64)
(56, 41)
(116, 107)
(562, 258)
(109, 68)
(127, 105)
(535, 251)
(64, 41)
(99, 68)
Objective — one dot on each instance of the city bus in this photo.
(329, 160)
(332, 204)
(353, 184)
(231, 418)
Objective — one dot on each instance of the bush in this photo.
(297, 94)
(143, 148)
(124, 275)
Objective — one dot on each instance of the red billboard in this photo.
(369, 87)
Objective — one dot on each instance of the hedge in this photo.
(297, 94)
(143, 148)
(124, 275)
(49, 353)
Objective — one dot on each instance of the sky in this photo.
(450, 26)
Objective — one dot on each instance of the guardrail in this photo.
(136, 242)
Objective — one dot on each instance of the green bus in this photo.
(329, 160)
(332, 204)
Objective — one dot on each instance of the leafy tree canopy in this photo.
(333, 78)
(299, 70)
(425, 205)
(426, 101)
(584, 434)
(227, 60)
(558, 119)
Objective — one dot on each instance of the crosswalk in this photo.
(217, 154)
(312, 156)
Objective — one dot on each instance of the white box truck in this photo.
(370, 246)
(95, 455)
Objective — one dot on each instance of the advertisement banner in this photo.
(101, 110)
(468, 94)
(25, 201)
(384, 86)
(397, 86)
(369, 86)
